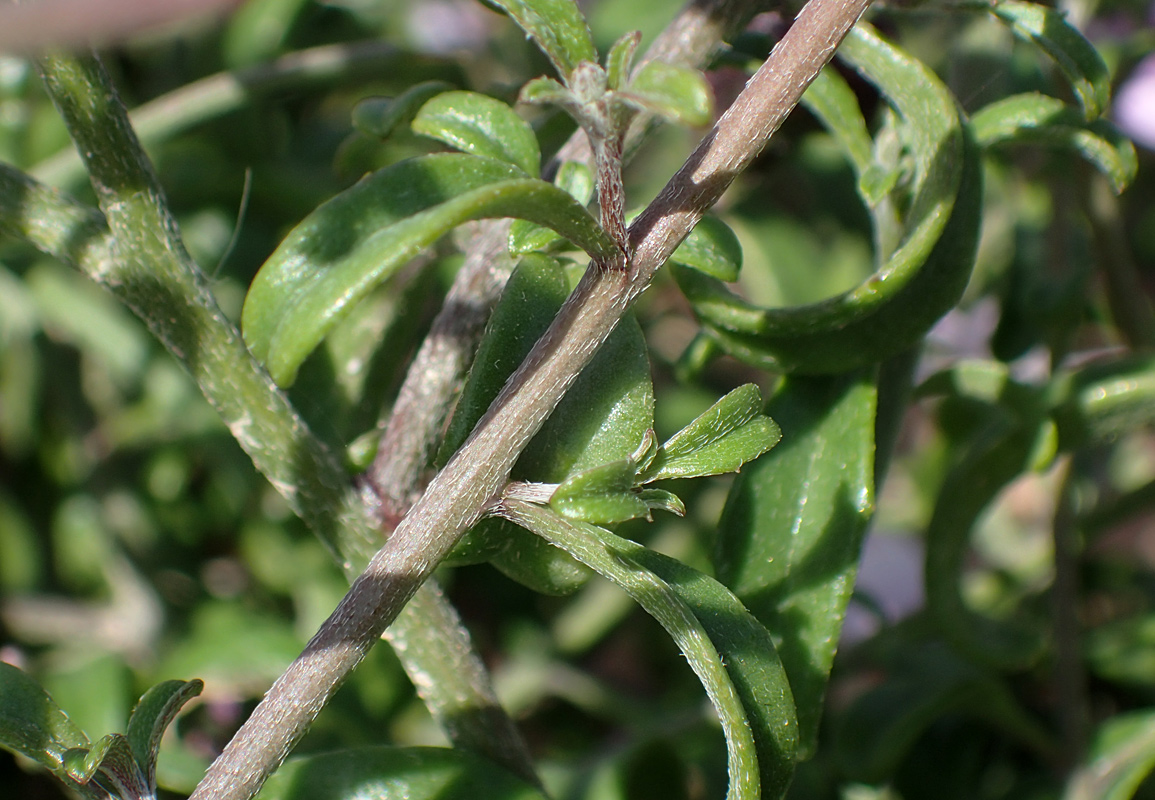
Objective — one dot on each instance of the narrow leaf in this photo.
(525, 237)
(790, 534)
(679, 94)
(414, 773)
(112, 758)
(730, 652)
(602, 495)
(620, 59)
(1078, 59)
(352, 243)
(31, 724)
(730, 433)
(916, 284)
(481, 126)
(1039, 119)
(154, 711)
(558, 28)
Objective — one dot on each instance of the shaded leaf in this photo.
(790, 534)
(383, 773)
(1078, 59)
(481, 126)
(558, 28)
(31, 724)
(352, 243)
(379, 117)
(524, 237)
(730, 652)
(711, 248)
(112, 758)
(1039, 119)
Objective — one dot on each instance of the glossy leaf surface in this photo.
(790, 535)
(482, 126)
(385, 773)
(676, 93)
(154, 712)
(558, 28)
(526, 237)
(729, 650)
(112, 758)
(1121, 756)
(352, 243)
(1039, 119)
(31, 724)
(711, 248)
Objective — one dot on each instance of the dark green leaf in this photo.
(677, 93)
(112, 758)
(601, 419)
(525, 237)
(481, 126)
(31, 724)
(558, 28)
(352, 243)
(156, 709)
(1101, 402)
(924, 276)
(730, 652)
(1075, 56)
(379, 117)
(602, 495)
(1039, 119)
(711, 248)
(789, 538)
(1121, 756)
(384, 773)
(729, 434)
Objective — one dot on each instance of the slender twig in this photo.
(425, 400)
(459, 494)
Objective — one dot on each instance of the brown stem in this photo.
(459, 495)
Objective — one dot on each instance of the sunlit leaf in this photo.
(1121, 756)
(112, 758)
(558, 28)
(711, 248)
(525, 237)
(481, 126)
(730, 652)
(1074, 55)
(352, 243)
(31, 724)
(155, 710)
(1039, 119)
(677, 93)
(789, 538)
(620, 59)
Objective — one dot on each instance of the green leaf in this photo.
(379, 772)
(352, 243)
(926, 683)
(558, 28)
(730, 433)
(603, 495)
(481, 126)
(917, 283)
(711, 248)
(111, 757)
(525, 237)
(729, 650)
(679, 94)
(154, 711)
(1121, 756)
(620, 59)
(1078, 59)
(1039, 119)
(790, 534)
(31, 724)
(379, 117)
(1101, 402)
(601, 419)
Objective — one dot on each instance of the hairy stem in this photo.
(461, 493)
(426, 398)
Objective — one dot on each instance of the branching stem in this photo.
(458, 495)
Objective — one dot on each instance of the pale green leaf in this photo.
(558, 28)
(676, 93)
(482, 126)
(711, 248)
